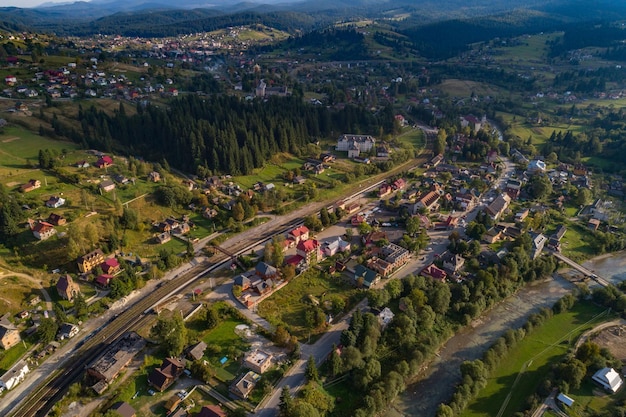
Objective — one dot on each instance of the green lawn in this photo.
(288, 305)
(413, 137)
(509, 387)
(19, 146)
(9, 357)
(575, 244)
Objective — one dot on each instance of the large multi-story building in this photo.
(355, 144)
(89, 261)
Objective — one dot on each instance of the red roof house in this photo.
(105, 161)
(110, 266)
(310, 250)
(432, 271)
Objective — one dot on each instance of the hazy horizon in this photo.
(31, 3)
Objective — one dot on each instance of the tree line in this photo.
(222, 134)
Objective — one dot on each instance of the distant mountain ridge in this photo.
(165, 18)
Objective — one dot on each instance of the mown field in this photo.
(288, 305)
(529, 362)
(19, 151)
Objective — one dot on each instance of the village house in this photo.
(104, 280)
(110, 266)
(452, 263)
(538, 242)
(385, 317)
(67, 331)
(67, 288)
(104, 162)
(55, 202)
(365, 276)
(352, 208)
(56, 219)
(472, 122)
(123, 409)
(513, 188)
(258, 361)
(265, 271)
(30, 186)
(309, 250)
(107, 186)
(263, 287)
(242, 281)
(213, 183)
(154, 176)
(384, 190)
(9, 334)
(42, 230)
(163, 238)
(429, 201)
(331, 247)
(243, 386)
(165, 375)
(196, 352)
(521, 215)
(555, 240)
(449, 223)
(14, 376)
(433, 272)
(89, 261)
(493, 235)
(209, 213)
(382, 267)
(498, 206)
(298, 234)
(211, 411)
(593, 224)
(608, 379)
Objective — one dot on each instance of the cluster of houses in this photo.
(171, 227)
(109, 266)
(257, 283)
(72, 82)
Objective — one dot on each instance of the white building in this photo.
(608, 378)
(14, 376)
(355, 144)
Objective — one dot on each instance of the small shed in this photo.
(565, 399)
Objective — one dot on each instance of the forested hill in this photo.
(224, 134)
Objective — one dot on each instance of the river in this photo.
(611, 267)
(436, 383)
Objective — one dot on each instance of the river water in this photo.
(611, 267)
(437, 382)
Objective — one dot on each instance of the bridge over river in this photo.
(587, 272)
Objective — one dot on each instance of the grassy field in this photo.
(575, 244)
(413, 137)
(464, 88)
(14, 292)
(508, 387)
(539, 134)
(9, 357)
(288, 305)
(19, 148)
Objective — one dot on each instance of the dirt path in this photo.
(437, 382)
(44, 292)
